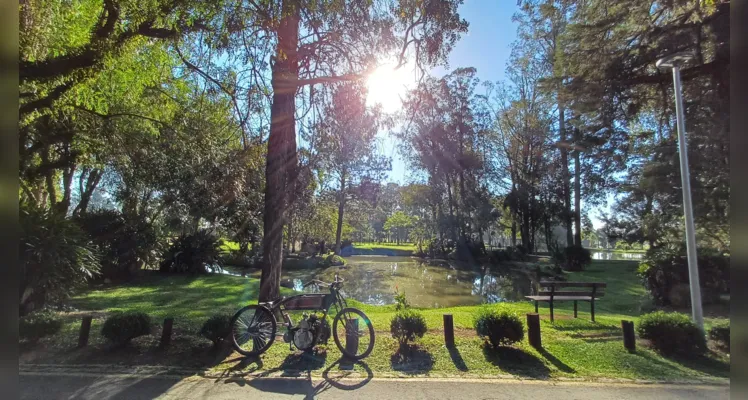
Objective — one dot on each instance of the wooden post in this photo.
(351, 336)
(533, 330)
(449, 333)
(166, 332)
(629, 339)
(85, 330)
(536, 306)
(575, 308)
(592, 302)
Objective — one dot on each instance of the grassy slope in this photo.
(391, 246)
(572, 348)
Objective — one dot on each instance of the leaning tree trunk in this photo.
(281, 152)
(341, 209)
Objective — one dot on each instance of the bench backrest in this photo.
(596, 289)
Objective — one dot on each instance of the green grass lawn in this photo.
(576, 348)
(393, 246)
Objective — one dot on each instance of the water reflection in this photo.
(440, 284)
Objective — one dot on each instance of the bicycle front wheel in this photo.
(353, 333)
(253, 330)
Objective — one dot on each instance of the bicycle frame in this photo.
(279, 308)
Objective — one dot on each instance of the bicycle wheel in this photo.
(253, 330)
(353, 333)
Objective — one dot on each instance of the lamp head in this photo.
(674, 60)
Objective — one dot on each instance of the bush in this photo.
(55, 256)
(38, 325)
(334, 260)
(672, 333)
(198, 253)
(576, 258)
(499, 256)
(498, 327)
(125, 246)
(720, 333)
(407, 325)
(121, 328)
(237, 259)
(401, 303)
(664, 272)
(216, 328)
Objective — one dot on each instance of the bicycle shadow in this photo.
(295, 381)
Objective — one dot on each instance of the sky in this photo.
(487, 47)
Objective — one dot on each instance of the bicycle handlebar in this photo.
(318, 282)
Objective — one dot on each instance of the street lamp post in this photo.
(674, 62)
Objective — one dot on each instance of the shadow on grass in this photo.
(707, 364)
(516, 361)
(556, 362)
(454, 353)
(412, 359)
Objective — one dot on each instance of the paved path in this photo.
(61, 385)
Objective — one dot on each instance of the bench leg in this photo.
(575, 308)
(592, 309)
(536, 306)
(551, 310)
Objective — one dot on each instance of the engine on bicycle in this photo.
(310, 331)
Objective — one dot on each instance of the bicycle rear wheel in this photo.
(253, 330)
(353, 333)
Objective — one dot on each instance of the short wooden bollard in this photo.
(449, 331)
(533, 330)
(85, 331)
(629, 339)
(166, 332)
(351, 336)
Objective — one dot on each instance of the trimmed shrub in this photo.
(197, 254)
(217, 328)
(498, 327)
(121, 328)
(576, 258)
(38, 325)
(664, 272)
(55, 257)
(720, 333)
(407, 325)
(672, 333)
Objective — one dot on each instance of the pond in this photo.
(373, 280)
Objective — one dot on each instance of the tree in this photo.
(398, 223)
(322, 42)
(347, 143)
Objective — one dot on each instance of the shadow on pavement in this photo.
(306, 386)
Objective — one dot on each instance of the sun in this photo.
(387, 86)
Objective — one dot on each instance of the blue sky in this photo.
(486, 47)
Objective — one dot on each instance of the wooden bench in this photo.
(571, 291)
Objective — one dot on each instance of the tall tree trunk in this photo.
(514, 233)
(577, 201)
(565, 174)
(86, 191)
(281, 153)
(341, 209)
(67, 182)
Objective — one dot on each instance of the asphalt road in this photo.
(101, 387)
